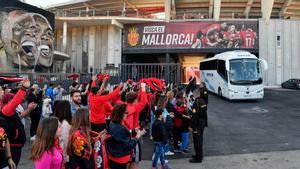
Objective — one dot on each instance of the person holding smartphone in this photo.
(121, 144)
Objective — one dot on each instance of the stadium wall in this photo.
(94, 46)
(279, 42)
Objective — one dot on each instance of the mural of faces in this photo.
(46, 40)
(27, 39)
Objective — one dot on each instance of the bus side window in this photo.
(222, 69)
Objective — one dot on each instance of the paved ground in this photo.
(271, 160)
(237, 128)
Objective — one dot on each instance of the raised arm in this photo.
(9, 109)
(140, 105)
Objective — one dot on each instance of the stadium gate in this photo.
(136, 71)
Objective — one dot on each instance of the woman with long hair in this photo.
(46, 151)
(62, 110)
(120, 144)
(79, 145)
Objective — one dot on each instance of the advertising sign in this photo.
(192, 35)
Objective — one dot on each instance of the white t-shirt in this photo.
(19, 110)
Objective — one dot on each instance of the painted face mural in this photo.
(20, 38)
(27, 39)
(46, 40)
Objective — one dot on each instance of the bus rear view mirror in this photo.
(263, 64)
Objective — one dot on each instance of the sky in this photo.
(44, 3)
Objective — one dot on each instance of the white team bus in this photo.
(234, 75)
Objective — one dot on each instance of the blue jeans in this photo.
(167, 146)
(185, 140)
(159, 153)
(151, 121)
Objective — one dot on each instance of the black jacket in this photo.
(120, 142)
(3, 138)
(199, 114)
(159, 132)
(169, 121)
(17, 135)
(204, 95)
(38, 99)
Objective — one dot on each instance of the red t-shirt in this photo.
(134, 110)
(177, 120)
(97, 108)
(248, 39)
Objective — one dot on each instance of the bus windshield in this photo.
(245, 72)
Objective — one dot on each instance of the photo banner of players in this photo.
(192, 35)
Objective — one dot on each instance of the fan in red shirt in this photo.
(134, 108)
(97, 102)
(247, 38)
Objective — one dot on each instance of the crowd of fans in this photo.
(98, 128)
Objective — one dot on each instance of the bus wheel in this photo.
(220, 92)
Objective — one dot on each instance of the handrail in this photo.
(107, 12)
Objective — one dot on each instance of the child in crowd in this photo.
(160, 138)
(181, 108)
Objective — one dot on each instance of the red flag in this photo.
(7, 80)
(73, 76)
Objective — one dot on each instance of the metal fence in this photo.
(136, 71)
(49, 78)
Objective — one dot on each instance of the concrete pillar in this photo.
(64, 66)
(111, 44)
(173, 9)
(248, 7)
(118, 46)
(91, 53)
(65, 30)
(167, 10)
(210, 9)
(266, 9)
(85, 48)
(217, 9)
(73, 54)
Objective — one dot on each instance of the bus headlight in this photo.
(260, 91)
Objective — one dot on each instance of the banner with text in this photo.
(192, 35)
